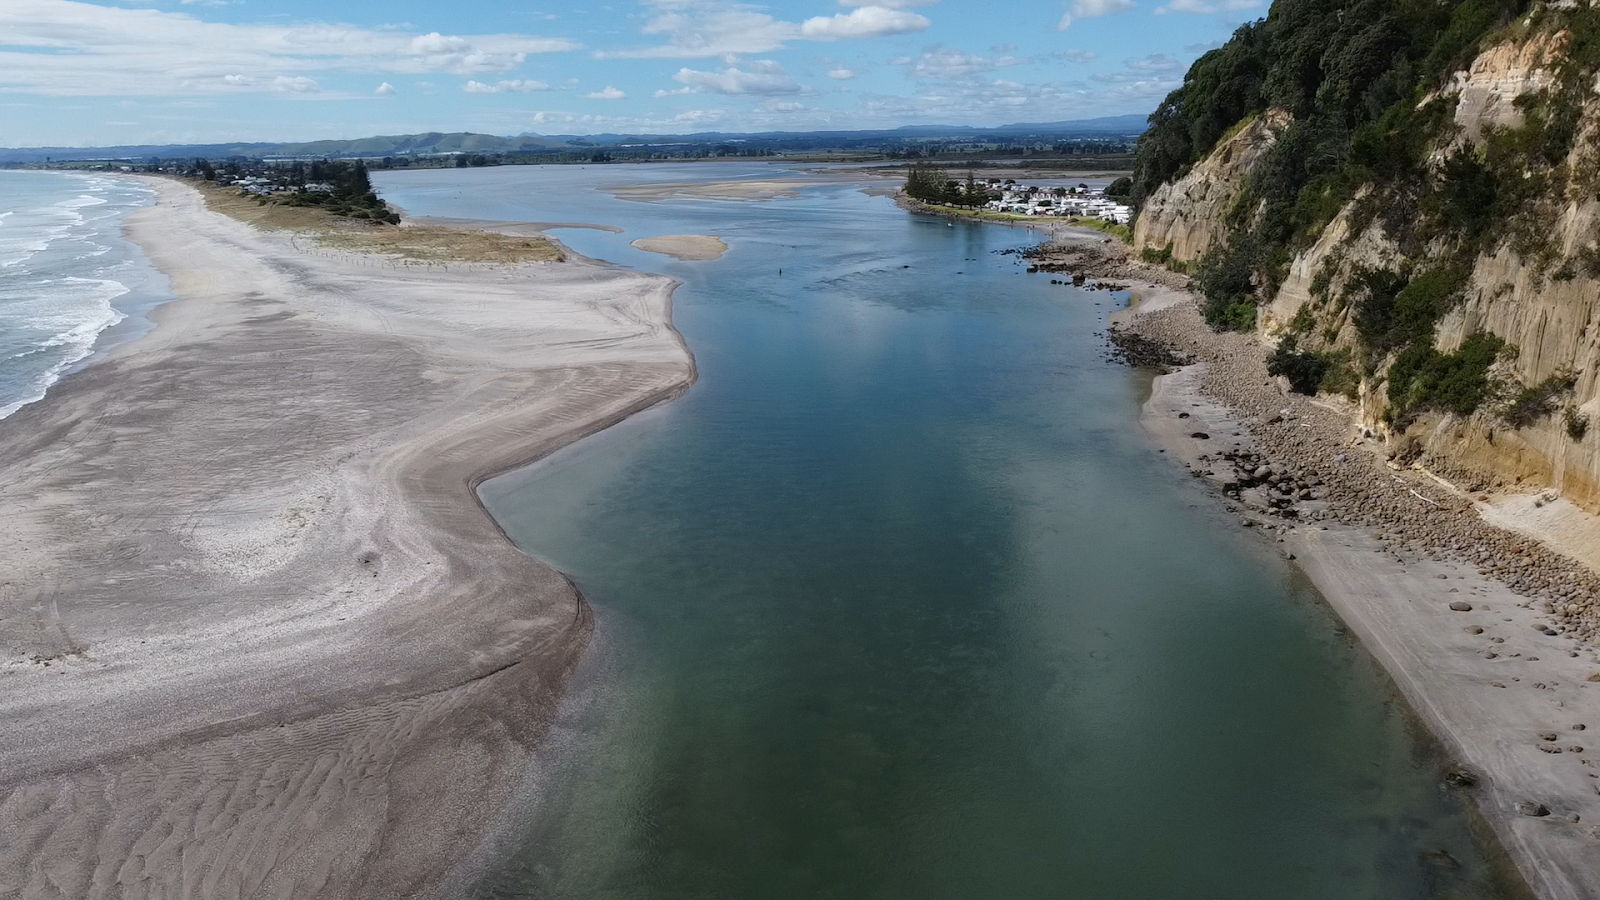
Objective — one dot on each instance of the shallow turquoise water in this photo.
(898, 601)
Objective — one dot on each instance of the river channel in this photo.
(899, 602)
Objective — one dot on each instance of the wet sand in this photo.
(688, 247)
(259, 636)
(1512, 704)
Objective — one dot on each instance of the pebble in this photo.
(1530, 808)
(1304, 445)
(1461, 606)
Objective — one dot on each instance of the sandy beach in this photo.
(1508, 697)
(260, 638)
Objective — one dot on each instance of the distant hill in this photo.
(436, 143)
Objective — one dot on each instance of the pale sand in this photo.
(514, 228)
(1399, 608)
(691, 247)
(259, 637)
(714, 190)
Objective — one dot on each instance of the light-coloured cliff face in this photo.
(1190, 214)
(1549, 313)
(1487, 91)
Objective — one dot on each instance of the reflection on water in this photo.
(897, 602)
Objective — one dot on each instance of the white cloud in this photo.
(701, 30)
(63, 47)
(782, 106)
(1075, 56)
(863, 22)
(610, 93)
(1202, 6)
(765, 77)
(385, 90)
(841, 74)
(943, 62)
(298, 84)
(1090, 9)
(238, 80)
(892, 4)
(505, 87)
(1155, 71)
(637, 124)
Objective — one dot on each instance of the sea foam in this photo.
(64, 270)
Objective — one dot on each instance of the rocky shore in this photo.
(1304, 443)
(1488, 633)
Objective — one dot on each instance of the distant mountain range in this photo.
(436, 143)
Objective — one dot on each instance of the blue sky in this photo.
(170, 71)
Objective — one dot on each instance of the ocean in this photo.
(69, 283)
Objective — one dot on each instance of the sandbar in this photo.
(692, 247)
(258, 637)
(767, 189)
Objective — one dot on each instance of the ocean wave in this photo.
(75, 331)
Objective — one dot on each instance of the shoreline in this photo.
(285, 625)
(1506, 702)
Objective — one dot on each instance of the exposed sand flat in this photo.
(768, 189)
(515, 228)
(257, 637)
(690, 247)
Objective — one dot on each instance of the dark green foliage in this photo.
(351, 195)
(1534, 403)
(1422, 378)
(1341, 377)
(931, 184)
(1226, 279)
(1392, 312)
(1577, 424)
(1303, 368)
(1120, 190)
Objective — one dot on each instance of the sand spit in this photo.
(512, 228)
(259, 638)
(768, 189)
(688, 247)
(1502, 684)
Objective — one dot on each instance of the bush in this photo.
(1226, 279)
(1423, 378)
(1304, 369)
(1341, 377)
(1577, 424)
(1534, 403)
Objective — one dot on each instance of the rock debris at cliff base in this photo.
(1331, 473)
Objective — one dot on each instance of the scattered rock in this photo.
(1530, 808)
(1200, 436)
(1461, 606)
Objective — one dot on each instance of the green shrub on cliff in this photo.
(1422, 378)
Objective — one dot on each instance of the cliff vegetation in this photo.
(1401, 196)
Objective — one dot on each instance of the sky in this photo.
(110, 72)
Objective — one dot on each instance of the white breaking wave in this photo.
(63, 267)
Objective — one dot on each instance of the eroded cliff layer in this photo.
(1403, 200)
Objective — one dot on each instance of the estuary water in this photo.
(69, 282)
(898, 601)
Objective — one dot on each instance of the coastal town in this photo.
(1080, 201)
(1008, 197)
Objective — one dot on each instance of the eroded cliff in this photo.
(1442, 272)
